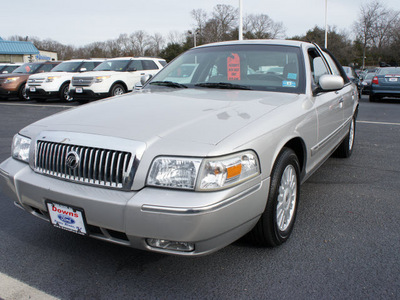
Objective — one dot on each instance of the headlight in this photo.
(203, 174)
(51, 78)
(20, 148)
(174, 172)
(223, 172)
(10, 79)
(101, 78)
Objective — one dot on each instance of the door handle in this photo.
(341, 100)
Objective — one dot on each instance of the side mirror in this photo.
(145, 78)
(138, 86)
(331, 82)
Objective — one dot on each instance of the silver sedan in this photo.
(213, 147)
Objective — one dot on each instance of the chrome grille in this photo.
(82, 81)
(104, 167)
(36, 80)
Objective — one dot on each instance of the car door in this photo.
(329, 109)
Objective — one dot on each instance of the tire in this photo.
(117, 89)
(277, 221)
(345, 148)
(22, 93)
(63, 93)
(373, 98)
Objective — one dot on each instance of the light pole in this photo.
(326, 24)
(240, 21)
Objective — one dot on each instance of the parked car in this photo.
(386, 83)
(188, 168)
(113, 77)
(56, 83)
(13, 84)
(352, 75)
(366, 83)
(8, 67)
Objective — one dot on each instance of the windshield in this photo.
(113, 65)
(67, 67)
(7, 69)
(254, 67)
(28, 68)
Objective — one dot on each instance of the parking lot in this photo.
(345, 244)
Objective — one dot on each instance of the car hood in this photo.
(48, 74)
(187, 115)
(2, 76)
(98, 73)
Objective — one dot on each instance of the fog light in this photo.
(170, 245)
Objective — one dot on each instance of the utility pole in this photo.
(326, 24)
(240, 21)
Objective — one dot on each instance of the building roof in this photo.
(18, 48)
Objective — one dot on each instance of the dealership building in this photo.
(23, 52)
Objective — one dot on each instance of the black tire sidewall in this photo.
(286, 157)
(114, 87)
(63, 87)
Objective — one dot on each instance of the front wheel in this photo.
(64, 92)
(22, 93)
(117, 89)
(277, 221)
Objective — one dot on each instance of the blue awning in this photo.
(17, 48)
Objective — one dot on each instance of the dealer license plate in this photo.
(66, 218)
(79, 90)
(393, 79)
(32, 89)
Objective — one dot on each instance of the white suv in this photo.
(56, 83)
(113, 77)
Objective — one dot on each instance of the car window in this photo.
(332, 64)
(317, 65)
(149, 65)
(136, 65)
(113, 65)
(261, 67)
(162, 62)
(46, 67)
(89, 65)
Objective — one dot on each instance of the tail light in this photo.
(375, 80)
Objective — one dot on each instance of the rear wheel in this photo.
(277, 221)
(117, 89)
(345, 149)
(373, 98)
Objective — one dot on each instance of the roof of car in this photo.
(258, 42)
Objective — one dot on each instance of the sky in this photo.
(81, 22)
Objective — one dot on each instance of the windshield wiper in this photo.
(169, 84)
(223, 85)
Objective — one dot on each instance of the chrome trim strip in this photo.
(198, 210)
(322, 144)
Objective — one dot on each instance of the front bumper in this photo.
(87, 94)
(210, 220)
(41, 93)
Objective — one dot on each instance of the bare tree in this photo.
(261, 26)
(374, 25)
(225, 18)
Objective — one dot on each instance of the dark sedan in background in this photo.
(386, 83)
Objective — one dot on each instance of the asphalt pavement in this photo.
(345, 244)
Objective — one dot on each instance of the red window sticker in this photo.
(27, 68)
(233, 63)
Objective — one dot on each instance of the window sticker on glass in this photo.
(292, 76)
(288, 84)
(233, 64)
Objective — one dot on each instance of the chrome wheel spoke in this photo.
(286, 201)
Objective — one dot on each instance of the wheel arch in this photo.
(298, 146)
(121, 83)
